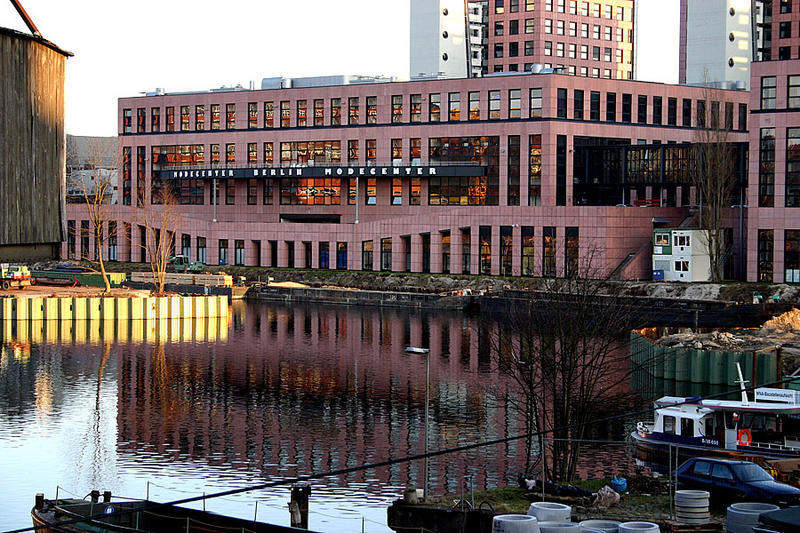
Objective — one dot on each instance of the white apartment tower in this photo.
(716, 42)
(438, 39)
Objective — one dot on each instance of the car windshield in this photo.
(751, 472)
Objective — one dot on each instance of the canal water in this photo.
(179, 409)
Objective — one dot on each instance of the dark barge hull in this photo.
(657, 452)
(138, 516)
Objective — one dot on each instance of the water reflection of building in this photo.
(321, 389)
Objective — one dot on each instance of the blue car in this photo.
(730, 481)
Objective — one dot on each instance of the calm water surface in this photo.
(180, 409)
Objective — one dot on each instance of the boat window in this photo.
(709, 426)
(702, 468)
(687, 427)
(669, 424)
(720, 471)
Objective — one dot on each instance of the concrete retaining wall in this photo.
(112, 309)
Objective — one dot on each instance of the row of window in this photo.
(560, 6)
(570, 50)
(570, 69)
(791, 255)
(769, 92)
(470, 109)
(766, 168)
(562, 27)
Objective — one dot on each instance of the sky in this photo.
(130, 48)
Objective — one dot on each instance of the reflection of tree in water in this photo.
(97, 456)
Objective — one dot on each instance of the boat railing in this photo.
(773, 446)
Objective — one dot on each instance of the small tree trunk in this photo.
(98, 242)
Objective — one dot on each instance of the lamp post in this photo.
(426, 352)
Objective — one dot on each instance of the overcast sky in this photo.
(128, 48)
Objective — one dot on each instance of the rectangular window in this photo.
(223, 251)
(701, 113)
(743, 117)
(672, 111)
(416, 108)
(434, 109)
(561, 170)
(252, 115)
(397, 109)
(416, 151)
(474, 105)
(127, 121)
(791, 256)
(611, 107)
(230, 192)
(627, 103)
(657, 104)
(494, 105)
(214, 154)
(498, 29)
(506, 250)
(728, 116)
(185, 118)
(792, 167)
(641, 109)
(571, 253)
(536, 103)
(336, 111)
(302, 114)
(514, 103)
(397, 152)
(268, 154)
(252, 153)
(371, 191)
(238, 248)
(372, 109)
(766, 173)
(594, 105)
(535, 170)
(267, 196)
(529, 25)
(397, 191)
(285, 114)
(485, 249)
(126, 175)
(768, 92)
(141, 119)
(269, 115)
(793, 92)
(252, 192)
(155, 119)
(372, 152)
(215, 117)
(577, 104)
(230, 154)
(199, 117)
(528, 247)
(319, 112)
(549, 252)
(499, 6)
(766, 243)
(386, 254)
(561, 103)
(170, 118)
(366, 255)
(454, 105)
(687, 113)
(230, 116)
(513, 170)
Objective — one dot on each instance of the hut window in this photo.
(669, 424)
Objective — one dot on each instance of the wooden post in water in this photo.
(298, 506)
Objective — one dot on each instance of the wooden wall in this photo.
(32, 141)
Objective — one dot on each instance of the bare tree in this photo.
(714, 174)
(160, 219)
(565, 352)
(92, 182)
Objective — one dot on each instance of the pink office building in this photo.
(773, 229)
(514, 175)
(584, 38)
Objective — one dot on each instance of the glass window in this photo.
(397, 152)
(268, 115)
(793, 97)
(302, 116)
(792, 167)
(474, 105)
(199, 117)
(397, 191)
(230, 153)
(561, 103)
(252, 153)
(416, 108)
(498, 28)
(611, 107)
(535, 170)
(434, 110)
(765, 250)
(626, 107)
(594, 105)
(230, 116)
(267, 197)
(536, 103)
(513, 169)
(336, 111)
(577, 101)
(529, 25)
(319, 112)
(494, 105)
(127, 121)
(528, 48)
(352, 109)
(170, 118)
(397, 109)
(768, 92)
(372, 109)
(155, 119)
(285, 114)
(549, 252)
(514, 103)
(371, 191)
(454, 105)
(252, 115)
(141, 119)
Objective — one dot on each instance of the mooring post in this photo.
(298, 506)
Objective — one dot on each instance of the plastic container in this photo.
(743, 516)
(550, 511)
(515, 523)
(607, 526)
(691, 506)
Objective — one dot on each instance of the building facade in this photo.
(523, 174)
(717, 41)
